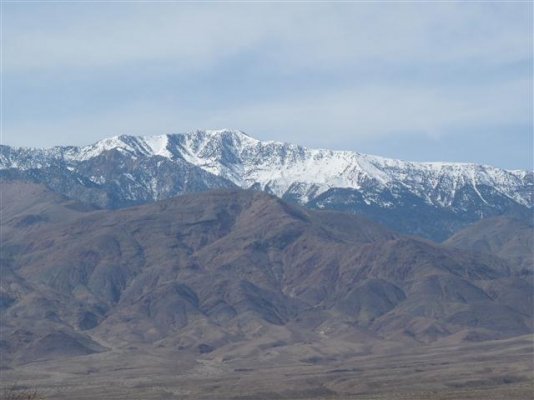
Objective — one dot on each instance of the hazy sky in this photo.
(420, 81)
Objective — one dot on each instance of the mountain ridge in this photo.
(138, 169)
(224, 267)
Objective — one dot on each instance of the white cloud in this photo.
(380, 111)
(295, 36)
(316, 121)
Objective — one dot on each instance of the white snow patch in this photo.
(158, 145)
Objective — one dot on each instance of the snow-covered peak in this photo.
(283, 168)
(198, 140)
(278, 167)
(113, 143)
(133, 145)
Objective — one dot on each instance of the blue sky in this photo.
(427, 81)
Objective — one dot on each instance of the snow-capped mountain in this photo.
(126, 170)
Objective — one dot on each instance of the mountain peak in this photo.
(222, 132)
(319, 178)
(229, 137)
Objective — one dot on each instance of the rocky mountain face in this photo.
(427, 199)
(238, 271)
(508, 238)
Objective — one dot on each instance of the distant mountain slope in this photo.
(231, 268)
(509, 238)
(428, 199)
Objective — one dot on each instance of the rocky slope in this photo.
(235, 271)
(508, 238)
(428, 199)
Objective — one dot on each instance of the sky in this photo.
(421, 81)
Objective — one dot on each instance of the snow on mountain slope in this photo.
(282, 168)
(278, 167)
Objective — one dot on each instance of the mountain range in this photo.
(211, 265)
(220, 270)
(432, 199)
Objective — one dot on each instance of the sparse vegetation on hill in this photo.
(14, 392)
